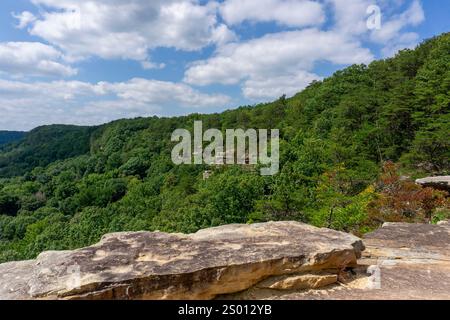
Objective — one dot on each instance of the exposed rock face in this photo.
(285, 260)
(401, 261)
(211, 262)
(414, 260)
(440, 183)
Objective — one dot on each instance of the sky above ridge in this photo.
(92, 61)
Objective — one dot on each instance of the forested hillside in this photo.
(42, 146)
(10, 136)
(348, 145)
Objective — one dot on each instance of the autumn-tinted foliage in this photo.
(400, 199)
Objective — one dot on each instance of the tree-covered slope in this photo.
(340, 139)
(43, 146)
(10, 136)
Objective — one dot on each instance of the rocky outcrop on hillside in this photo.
(440, 183)
(277, 260)
(203, 265)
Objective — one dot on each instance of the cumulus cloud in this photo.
(27, 105)
(289, 55)
(350, 17)
(294, 13)
(269, 88)
(24, 19)
(126, 29)
(32, 59)
(391, 33)
(161, 92)
(265, 66)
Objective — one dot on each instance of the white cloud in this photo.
(289, 55)
(283, 62)
(27, 105)
(126, 29)
(147, 65)
(402, 41)
(269, 88)
(32, 59)
(391, 33)
(25, 18)
(277, 63)
(350, 16)
(390, 29)
(161, 92)
(294, 13)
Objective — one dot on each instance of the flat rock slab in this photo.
(216, 261)
(413, 262)
(401, 261)
(406, 261)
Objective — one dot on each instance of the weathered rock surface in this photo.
(414, 259)
(401, 261)
(212, 262)
(440, 183)
(284, 260)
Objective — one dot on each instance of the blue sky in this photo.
(92, 61)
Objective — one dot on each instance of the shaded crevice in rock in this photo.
(282, 260)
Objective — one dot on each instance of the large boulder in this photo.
(401, 262)
(212, 262)
(414, 260)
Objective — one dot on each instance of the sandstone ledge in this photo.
(401, 262)
(284, 260)
(212, 262)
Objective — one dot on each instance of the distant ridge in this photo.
(10, 136)
(42, 146)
